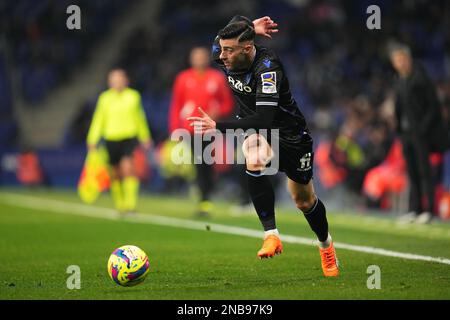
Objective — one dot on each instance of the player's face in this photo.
(117, 80)
(235, 55)
(199, 58)
(401, 61)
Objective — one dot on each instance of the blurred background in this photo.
(339, 71)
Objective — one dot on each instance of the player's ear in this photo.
(247, 48)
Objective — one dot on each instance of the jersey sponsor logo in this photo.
(269, 82)
(238, 85)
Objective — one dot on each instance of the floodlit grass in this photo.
(37, 246)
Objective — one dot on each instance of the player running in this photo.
(261, 89)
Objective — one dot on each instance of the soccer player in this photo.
(120, 120)
(261, 89)
(204, 86)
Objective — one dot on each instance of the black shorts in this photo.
(119, 149)
(296, 160)
(295, 157)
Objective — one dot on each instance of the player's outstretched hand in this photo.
(202, 124)
(265, 26)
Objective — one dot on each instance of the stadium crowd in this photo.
(38, 52)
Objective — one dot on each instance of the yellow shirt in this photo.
(118, 116)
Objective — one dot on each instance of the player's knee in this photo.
(257, 155)
(257, 161)
(252, 141)
(304, 203)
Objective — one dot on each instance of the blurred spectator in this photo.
(421, 129)
(29, 170)
(386, 179)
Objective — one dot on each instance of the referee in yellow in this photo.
(119, 120)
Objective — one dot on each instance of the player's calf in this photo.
(304, 203)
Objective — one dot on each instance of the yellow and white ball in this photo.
(128, 266)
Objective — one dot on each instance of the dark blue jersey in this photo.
(263, 95)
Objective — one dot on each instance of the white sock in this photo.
(326, 243)
(272, 231)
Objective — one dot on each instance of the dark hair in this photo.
(240, 30)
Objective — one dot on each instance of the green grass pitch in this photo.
(37, 246)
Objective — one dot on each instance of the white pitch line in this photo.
(70, 208)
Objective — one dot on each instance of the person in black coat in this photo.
(421, 127)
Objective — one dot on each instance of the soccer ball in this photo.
(128, 266)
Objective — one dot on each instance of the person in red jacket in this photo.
(200, 86)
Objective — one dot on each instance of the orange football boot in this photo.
(271, 246)
(330, 263)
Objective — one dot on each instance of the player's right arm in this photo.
(96, 128)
